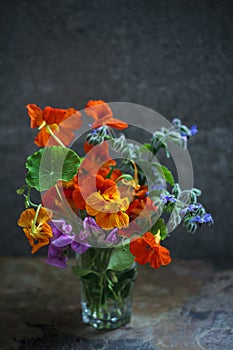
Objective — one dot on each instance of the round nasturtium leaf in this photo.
(120, 259)
(49, 165)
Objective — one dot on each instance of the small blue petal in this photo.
(193, 130)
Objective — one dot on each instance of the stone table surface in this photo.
(187, 305)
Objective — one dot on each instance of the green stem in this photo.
(159, 144)
(35, 219)
(61, 198)
(28, 201)
(102, 286)
(55, 137)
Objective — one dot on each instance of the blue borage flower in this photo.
(167, 198)
(183, 130)
(191, 208)
(98, 135)
(193, 130)
(207, 218)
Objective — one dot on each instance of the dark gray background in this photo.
(172, 56)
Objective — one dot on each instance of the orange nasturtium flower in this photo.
(102, 115)
(108, 207)
(54, 124)
(36, 228)
(147, 249)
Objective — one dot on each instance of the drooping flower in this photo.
(167, 198)
(63, 240)
(191, 208)
(207, 218)
(102, 115)
(60, 123)
(108, 207)
(35, 226)
(147, 249)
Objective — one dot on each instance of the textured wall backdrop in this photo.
(173, 56)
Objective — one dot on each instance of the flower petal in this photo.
(26, 217)
(94, 204)
(35, 114)
(63, 240)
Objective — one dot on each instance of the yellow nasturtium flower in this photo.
(35, 226)
(108, 208)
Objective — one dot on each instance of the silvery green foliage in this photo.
(128, 150)
(161, 139)
(177, 134)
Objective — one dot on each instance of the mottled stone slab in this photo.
(185, 306)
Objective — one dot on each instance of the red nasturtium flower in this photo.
(147, 249)
(102, 115)
(86, 185)
(92, 173)
(36, 228)
(59, 122)
(140, 204)
(141, 207)
(52, 200)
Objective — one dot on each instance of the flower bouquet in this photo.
(107, 201)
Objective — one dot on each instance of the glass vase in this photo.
(106, 295)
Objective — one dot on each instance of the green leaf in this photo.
(120, 259)
(86, 274)
(167, 175)
(80, 271)
(160, 225)
(49, 165)
(147, 146)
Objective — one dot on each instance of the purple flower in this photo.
(112, 237)
(207, 218)
(167, 198)
(90, 227)
(79, 248)
(92, 231)
(56, 256)
(63, 239)
(96, 234)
